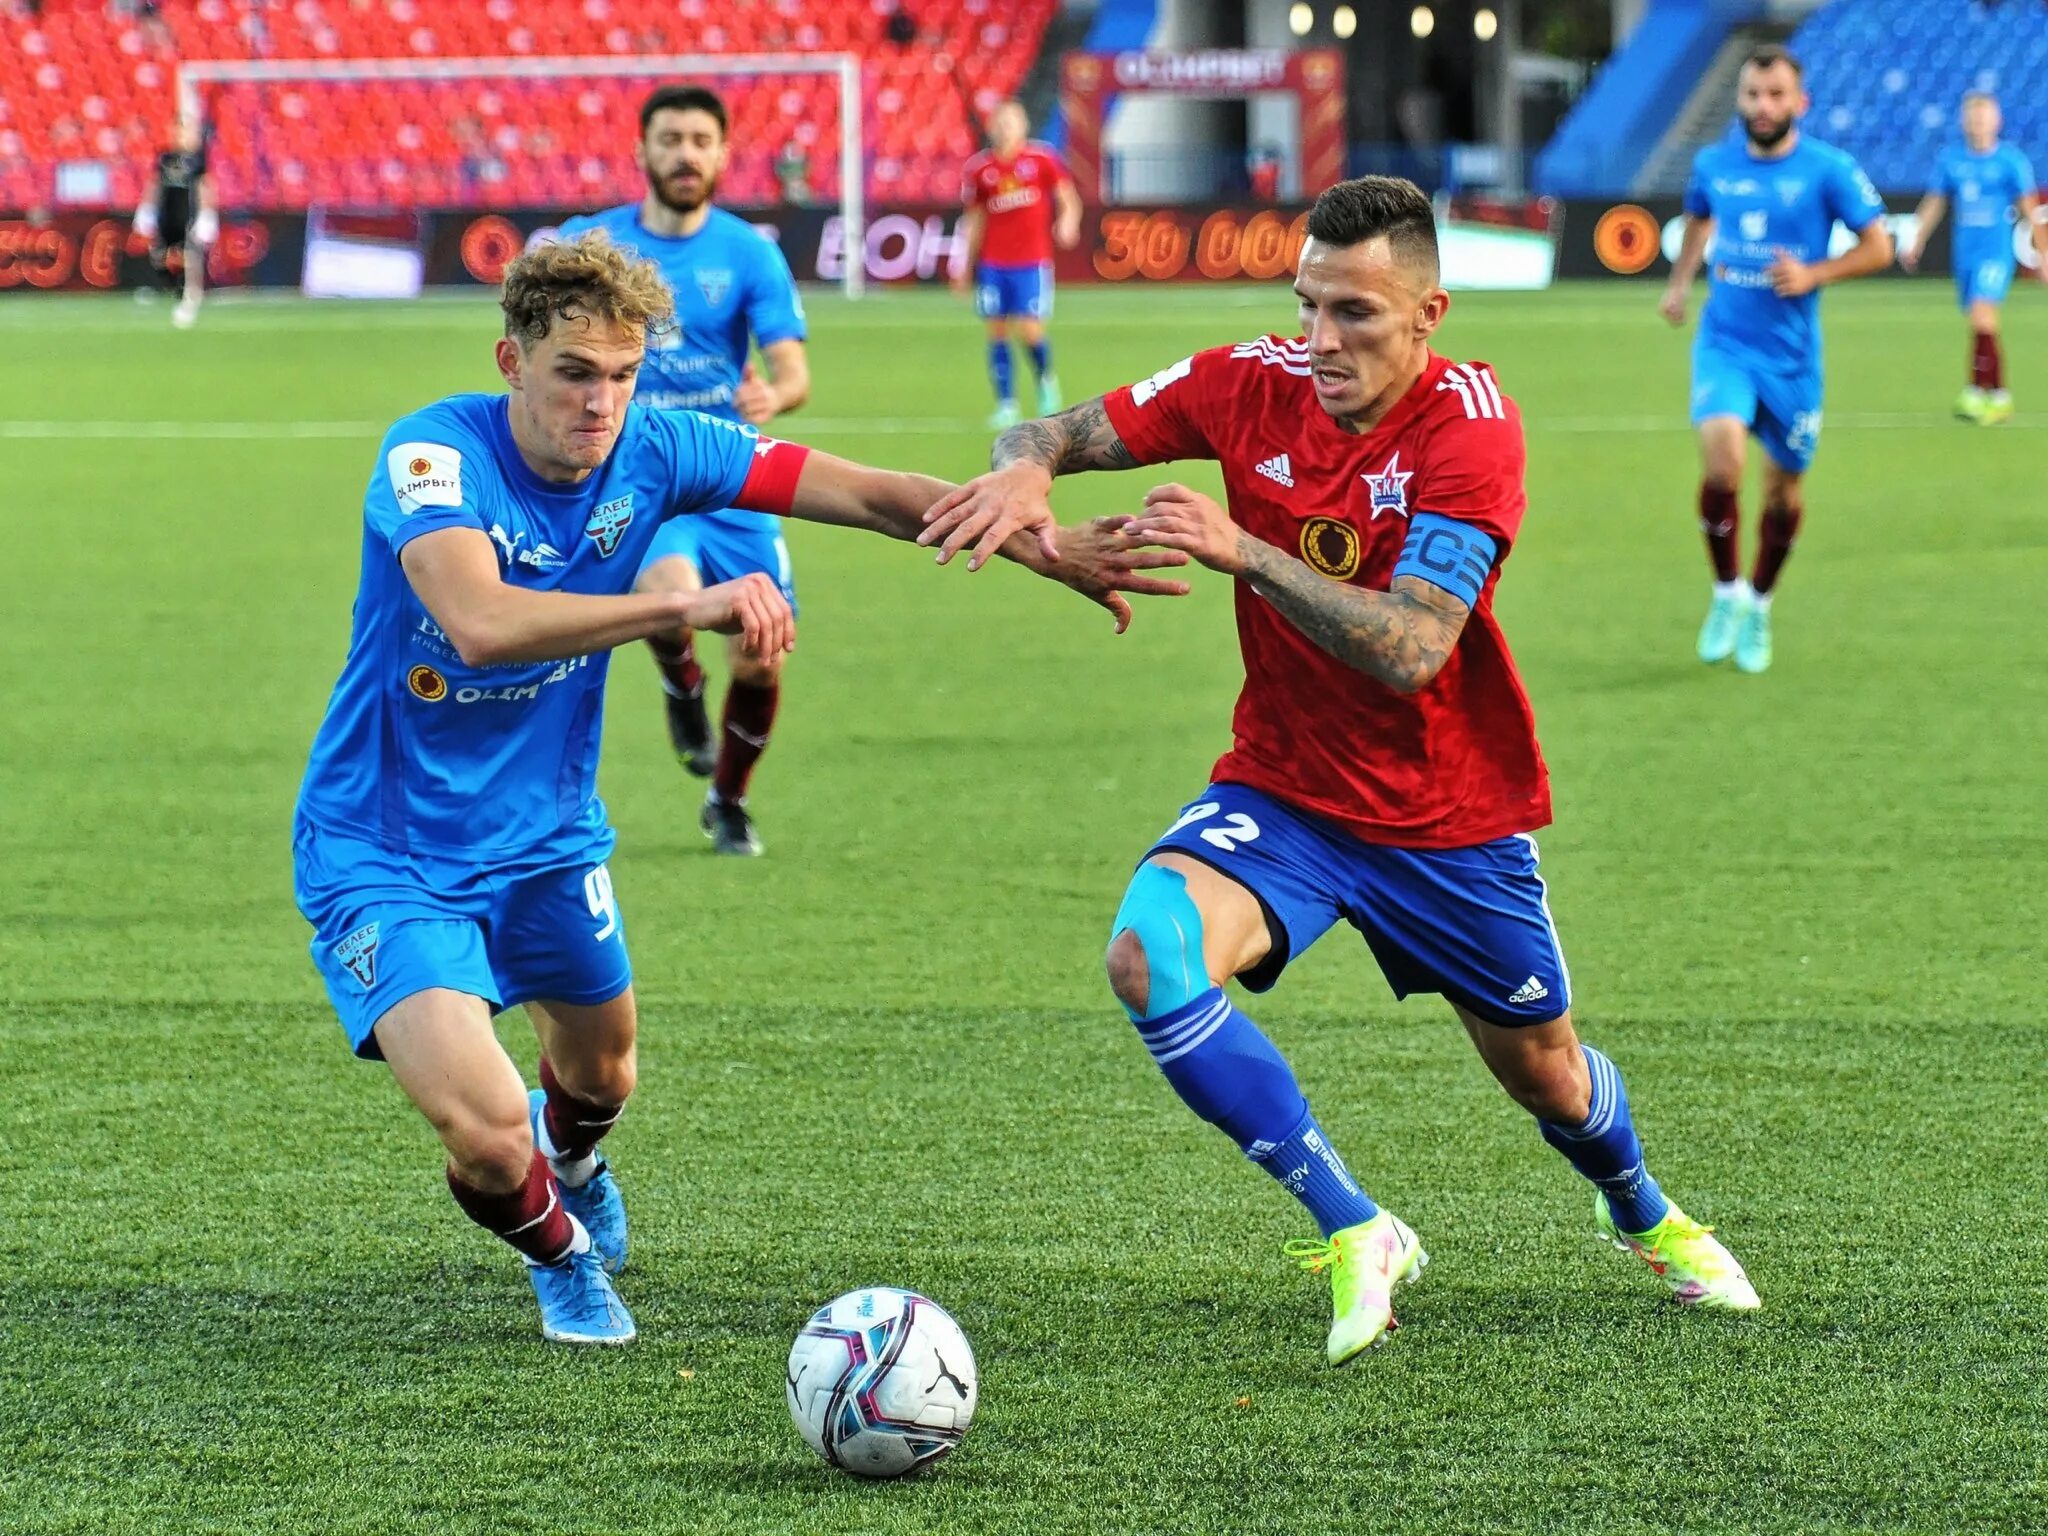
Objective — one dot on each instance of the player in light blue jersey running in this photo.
(449, 846)
(1769, 202)
(733, 292)
(1986, 181)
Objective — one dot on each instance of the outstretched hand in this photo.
(1178, 518)
(753, 608)
(988, 509)
(1101, 563)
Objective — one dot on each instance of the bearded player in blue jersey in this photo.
(449, 846)
(733, 292)
(1769, 202)
(1986, 182)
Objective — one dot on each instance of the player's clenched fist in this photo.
(1178, 518)
(1672, 305)
(987, 510)
(753, 608)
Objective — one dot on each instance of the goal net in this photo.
(379, 135)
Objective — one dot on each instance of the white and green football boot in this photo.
(1687, 1257)
(1048, 396)
(1365, 1263)
(1724, 622)
(1004, 416)
(1997, 409)
(1970, 404)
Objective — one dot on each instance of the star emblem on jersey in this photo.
(609, 521)
(1277, 470)
(1389, 488)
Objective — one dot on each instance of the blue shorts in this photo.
(388, 924)
(725, 546)
(1470, 923)
(1782, 409)
(1984, 276)
(1002, 292)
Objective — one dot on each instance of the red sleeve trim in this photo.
(770, 485)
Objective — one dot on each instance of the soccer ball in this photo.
(882, 1382)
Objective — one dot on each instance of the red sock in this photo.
(1987, 366)
(1774, 548)
(531, 1218)
(575, 1125)
(678, 663)
(1720, 513)
(749, 716)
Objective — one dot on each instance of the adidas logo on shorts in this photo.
(1278, 469)
(1530, 991)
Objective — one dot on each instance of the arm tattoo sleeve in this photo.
(1402, 637)
(1074, 440)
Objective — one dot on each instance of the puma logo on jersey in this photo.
(1278, 470)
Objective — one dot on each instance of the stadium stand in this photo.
(85, 81)
(1887, 77)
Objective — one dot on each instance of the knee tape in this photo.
(1158, 909)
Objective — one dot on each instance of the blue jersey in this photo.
(729, 281)
(1982, 191)
(1763, 209)
(422, 753)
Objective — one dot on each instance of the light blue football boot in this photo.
(597, 1203)
(1724, 622)
(1753, 645)
(577, 1302)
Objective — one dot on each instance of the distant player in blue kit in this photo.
(449, 845)
(733, 292)
(1769, 203)
(1986, 181)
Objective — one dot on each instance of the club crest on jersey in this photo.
(1755, 224)
(714, 283)
(427, 684)
(609, 521)
(1330, 547)
(1389, 487)
(359, 953)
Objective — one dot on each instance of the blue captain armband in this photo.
(1447, 553)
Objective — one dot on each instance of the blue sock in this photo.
(1608, 1152)
(999, 373)
(1041, 358)
(1227, 1071)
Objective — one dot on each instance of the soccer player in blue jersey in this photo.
(449, 846)
(733, 292)
(1769, 203)
(1987, 181)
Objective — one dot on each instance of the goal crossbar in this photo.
(195, 74)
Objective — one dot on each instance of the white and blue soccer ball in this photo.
(882, 1382)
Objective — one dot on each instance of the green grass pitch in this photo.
(1804, 912)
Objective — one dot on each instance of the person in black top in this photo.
(178, 217)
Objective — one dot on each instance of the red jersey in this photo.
(1017, 195)
(1449, 766)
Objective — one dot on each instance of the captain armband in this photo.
(1448, 554)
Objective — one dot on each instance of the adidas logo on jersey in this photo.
(1277, 469)
(1530, 991)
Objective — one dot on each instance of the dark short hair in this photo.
(1770, 55)
(683, 98)
(1362, 209)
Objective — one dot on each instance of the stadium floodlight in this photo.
(194, 76)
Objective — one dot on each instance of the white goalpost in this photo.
(195, 75)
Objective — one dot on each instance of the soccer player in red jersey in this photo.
(1021, 202)
(1384, 769)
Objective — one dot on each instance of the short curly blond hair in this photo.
(588, 276)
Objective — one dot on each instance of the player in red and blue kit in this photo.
(449, 846)
(733, 292)
(1987, 182)
(1020, 203)
(1384, 770)
(1769, 202)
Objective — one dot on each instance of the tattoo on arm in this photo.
(1402, 637)
(1074, 440)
